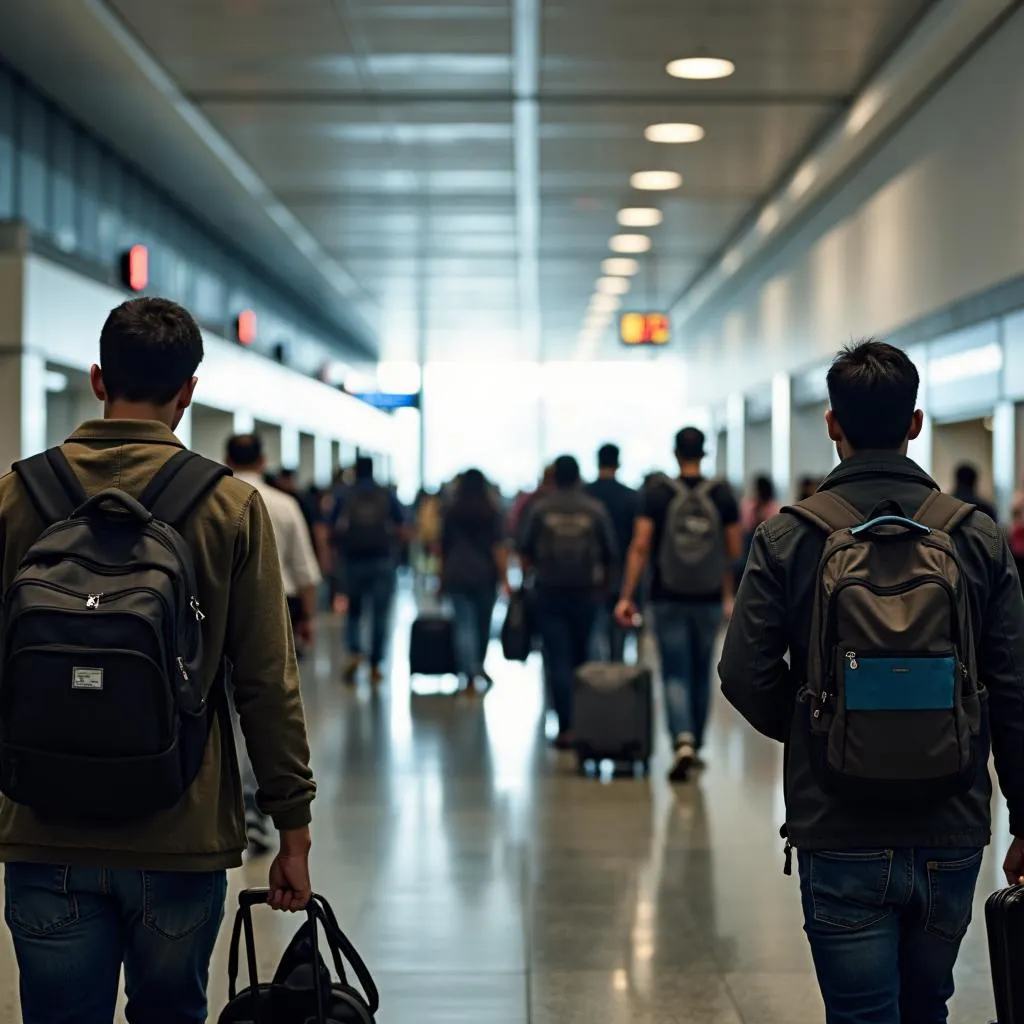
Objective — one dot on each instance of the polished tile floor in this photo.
(485, 883)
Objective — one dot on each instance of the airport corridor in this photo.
(485, 882)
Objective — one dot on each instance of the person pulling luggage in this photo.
(568, 539)
(691, 527)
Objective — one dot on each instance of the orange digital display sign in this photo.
(245, 327)
(644, 329)
(135, 268)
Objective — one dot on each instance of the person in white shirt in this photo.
(299, 566)
(301, 574)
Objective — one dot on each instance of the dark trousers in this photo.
(608, 641)
(73, 928)
(473, 612)
(885, 928)
(566, 620)
(370, 586)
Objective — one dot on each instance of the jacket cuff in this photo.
(293, 817)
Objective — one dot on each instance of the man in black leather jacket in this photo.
(887, 893)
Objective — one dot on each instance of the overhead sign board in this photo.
(644, 329)
(388, 401)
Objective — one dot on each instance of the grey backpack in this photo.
(691, 557)
(892, 694)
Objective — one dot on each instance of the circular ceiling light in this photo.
(701, 68)
(803, 179)
(769, 219)
(630, 243)
(621, 266)
(640, 217)
(613, 285)
(656, 181)
(605, 303)
(674, 134)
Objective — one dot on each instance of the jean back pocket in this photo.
(848, 888)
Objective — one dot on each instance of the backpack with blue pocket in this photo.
(892, 696)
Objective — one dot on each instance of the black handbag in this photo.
(516, 633)
(303, 991)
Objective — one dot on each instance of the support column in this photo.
(736, 440)
(323, 461)
(244, 422)
(1004, 456)
(782, 439)
(291, 448)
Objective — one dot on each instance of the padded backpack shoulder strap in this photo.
(827, 511)
(52, 486)
(943, 512)
(181, 483)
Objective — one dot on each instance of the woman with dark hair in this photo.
(474, 564)
(759, 506)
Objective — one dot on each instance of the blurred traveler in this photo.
(759, 506)
(523, 501)
(369, 525)
(146, 892)
(301, 577)
(428, 532)
(621, 503)
(806, 486)
(691, 525)
(1017, 531)
(568, 539)
(966, 489)
(474, 563)
(887, 879)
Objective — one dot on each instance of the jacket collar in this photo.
(877, 464)
(126, 431)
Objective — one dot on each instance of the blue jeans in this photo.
(370, 585)
(566, 621)
(608, 642)
(473, 612)
(885, 928)
(686, 635)
(74, 927)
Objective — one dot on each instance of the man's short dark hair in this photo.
(567, 471)
(364, 467)
(690, 444)
(245, 450)
(149, 350)
(872, 388)
(608, 456)
(966, 477)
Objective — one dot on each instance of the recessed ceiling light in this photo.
(621, 266)
(605, 303)
(803, 179)
(701, 68)
(640, 217)
(613, 285)
(595, 321)
(630, 243)
(732, 261)
(768, 220)
(656, 181)
(674, 134)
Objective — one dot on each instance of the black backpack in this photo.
(568, 554)
(102, 710)
(365, 529)
(302, 991)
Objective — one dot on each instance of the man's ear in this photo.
(99, 389)
(835, 431)
(185, 395)
(916, 425)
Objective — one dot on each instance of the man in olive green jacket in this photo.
(84, 899)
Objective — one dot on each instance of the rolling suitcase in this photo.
(1004, 916)
(612, 718)
(432, 646)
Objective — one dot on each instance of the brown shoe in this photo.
(348, 676)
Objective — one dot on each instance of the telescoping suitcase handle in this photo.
(320, 914)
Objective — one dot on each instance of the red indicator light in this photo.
(245, 327)
(135, 268)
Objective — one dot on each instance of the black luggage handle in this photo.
(318, 910)
(112, 496)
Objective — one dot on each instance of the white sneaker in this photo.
(682, 762)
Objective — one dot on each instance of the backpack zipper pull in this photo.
(182, 669)
(787, 853)
(851, 657)
(93, 601)
(194, 605)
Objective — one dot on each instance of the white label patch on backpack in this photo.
(87, 679)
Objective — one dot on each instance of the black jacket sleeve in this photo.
(755, 677)
(1000, 651)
